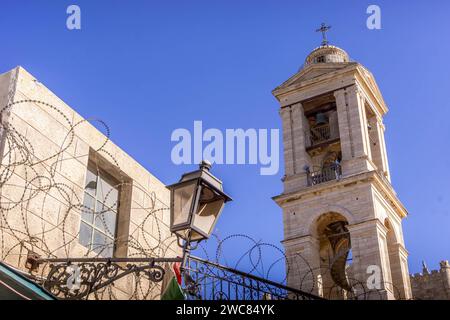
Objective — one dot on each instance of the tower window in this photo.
(320, 59)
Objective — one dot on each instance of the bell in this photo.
(321, 118)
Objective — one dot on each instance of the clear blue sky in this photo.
(148, 67)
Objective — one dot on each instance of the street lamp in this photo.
(195, 206)
(196, 203)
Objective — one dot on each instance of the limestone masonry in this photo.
(342, 218)
(69, 191)
(343, 234)
(434, 285)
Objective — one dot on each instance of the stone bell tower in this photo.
(342, 218)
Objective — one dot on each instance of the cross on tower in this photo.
(324, 28)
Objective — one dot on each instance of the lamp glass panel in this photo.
(207, 214)
(182, 201)
(195, 236)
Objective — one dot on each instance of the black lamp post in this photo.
(196, 203)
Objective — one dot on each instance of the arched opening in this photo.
(334, 251)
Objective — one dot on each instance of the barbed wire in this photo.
(34, 189)
(31, 180)
(252, 260)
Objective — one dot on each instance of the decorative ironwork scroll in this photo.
(74, 279)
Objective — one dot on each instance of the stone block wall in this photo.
(47, 148)
(434, 285)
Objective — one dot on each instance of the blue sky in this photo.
(147, 68)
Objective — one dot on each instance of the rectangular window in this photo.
(320, 59)
(99, 213)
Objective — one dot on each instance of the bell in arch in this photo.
(321, 118)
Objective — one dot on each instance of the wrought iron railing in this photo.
(211, 281)
(328, 173)
(320, 134)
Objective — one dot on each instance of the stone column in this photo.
(296, 158)
(358, 122)
(353, 131)
(299, 134)
(288, 143)
(370, 255)
(303, 268)
(344, 126)
(375, 144)
(384, 158)
(334, 125)
(400, 273)
(364, 123)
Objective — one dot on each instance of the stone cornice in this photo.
(362, 225)
(352, 228)
(367, 82)
(362, 78)
(402, 250)
(373, 177)
(290, 86)
(306, 191)
(386, 189)
(301, 238)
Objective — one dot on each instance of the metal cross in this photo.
(324, 28)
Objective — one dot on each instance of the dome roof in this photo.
(327, 54)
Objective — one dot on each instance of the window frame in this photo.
(320, 59)
(101, 177)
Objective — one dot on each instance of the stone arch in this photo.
(391, 232)
(329, 228)
(311, 222)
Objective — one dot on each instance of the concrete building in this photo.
(68, 191)
(338, 202)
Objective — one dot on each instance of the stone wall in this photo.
(47, 148)
(434, 285)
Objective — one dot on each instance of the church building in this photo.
(342, 218)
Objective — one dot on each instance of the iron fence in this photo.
(328, 173)
(206, 280)
(320, 134)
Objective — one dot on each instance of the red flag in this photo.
(176, 269)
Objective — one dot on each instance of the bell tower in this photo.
(342, 218)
